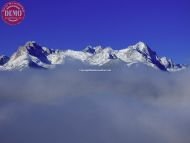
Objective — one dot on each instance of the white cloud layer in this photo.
(68, 106)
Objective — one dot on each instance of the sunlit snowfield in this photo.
(69, 106)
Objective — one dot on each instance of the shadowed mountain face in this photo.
(33, 54)
(36, 50)
(3, 59)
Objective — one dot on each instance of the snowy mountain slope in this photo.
(32, 55)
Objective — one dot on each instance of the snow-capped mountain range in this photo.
(33, 55)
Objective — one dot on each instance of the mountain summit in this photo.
(33, 55)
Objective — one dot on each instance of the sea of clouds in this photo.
(68, 106)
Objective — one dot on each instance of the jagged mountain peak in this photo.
(28, 46)
(96, 49)
(31, 44)
(35, 49)
(31, 54)
(89, 49)
(142, 46)
(144, 49)
(99, 48)
(34, 55)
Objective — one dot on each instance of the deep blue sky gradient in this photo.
(163, 24)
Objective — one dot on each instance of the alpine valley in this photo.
(33, 55)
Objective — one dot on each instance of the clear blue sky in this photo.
(163, 24)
